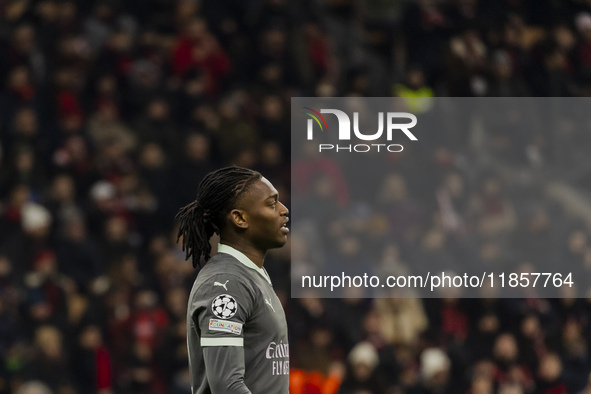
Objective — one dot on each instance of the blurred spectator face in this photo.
(272, 74)
(72, 49)
(40, 310)
(35, 221)
(505, 348)
(145, 299)
(434, 240)
(550, 368)
(577, 242)
(435, 366)
(489, 323)
(555, 60)
(158, 110)
(166, 264)
(90, 338)
(323, 187)
(272, 109)
(196, 29)
(530, 326)
(24, 160)
(503, 68)
(103, 11)
(185, 10)
(271, 154)
(229, 109)
(104, 195)
(76, 230)
(491, 187)
(511, 389)
(152, 156)
(49, 340)
(129, 267)
(538, 221)
(484, 368)
(363, 359)
(18, 78)
(391, 253)
(66, 12)
(195, 85)
(24, 39)
(5, 269)
(482, 385)
(33, 387)
(77, 148)
(571, 330)
(62, 188)
(325, 88)
(583, 24)
(490, 251)
(107, 112)
(19, 195)
(454, 184)
(273, 41)
(46, 264)
(159, 245)
(145, 73)
(245, 158)
(564, 37)
(120, 42)
(107, 85)
(176, 301)
(64, 77)
(207, 115)
(116, 229)
(415, 78)
(26, 122)
(393, 189)
(321, 337)
(113, 151)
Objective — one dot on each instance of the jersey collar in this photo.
(238, 255)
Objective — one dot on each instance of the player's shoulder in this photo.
(221, 264)
(223, 272)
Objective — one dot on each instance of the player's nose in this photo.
(283, 211)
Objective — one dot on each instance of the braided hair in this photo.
(218, 193)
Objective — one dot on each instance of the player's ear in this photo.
(238, 218)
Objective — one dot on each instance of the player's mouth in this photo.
(284, 228)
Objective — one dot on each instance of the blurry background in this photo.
(112, 111)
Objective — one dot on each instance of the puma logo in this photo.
(222, 284)
(269, 303)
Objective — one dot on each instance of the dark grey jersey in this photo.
(236, 329)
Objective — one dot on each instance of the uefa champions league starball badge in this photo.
(224, 306)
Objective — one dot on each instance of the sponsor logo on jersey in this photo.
(276, 351)
(225, 326)
(222, 284)
(224, 306)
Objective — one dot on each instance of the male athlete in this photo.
(236, 328)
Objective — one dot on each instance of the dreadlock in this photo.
(217, 195)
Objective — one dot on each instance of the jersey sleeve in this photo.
(226, 303)
(221, 308)
(225, 369)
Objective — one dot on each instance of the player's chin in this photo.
(281, 240)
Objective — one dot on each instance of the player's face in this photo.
(266, 216)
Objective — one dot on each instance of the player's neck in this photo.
(255, 255)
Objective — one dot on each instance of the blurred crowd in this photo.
(112, 111)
